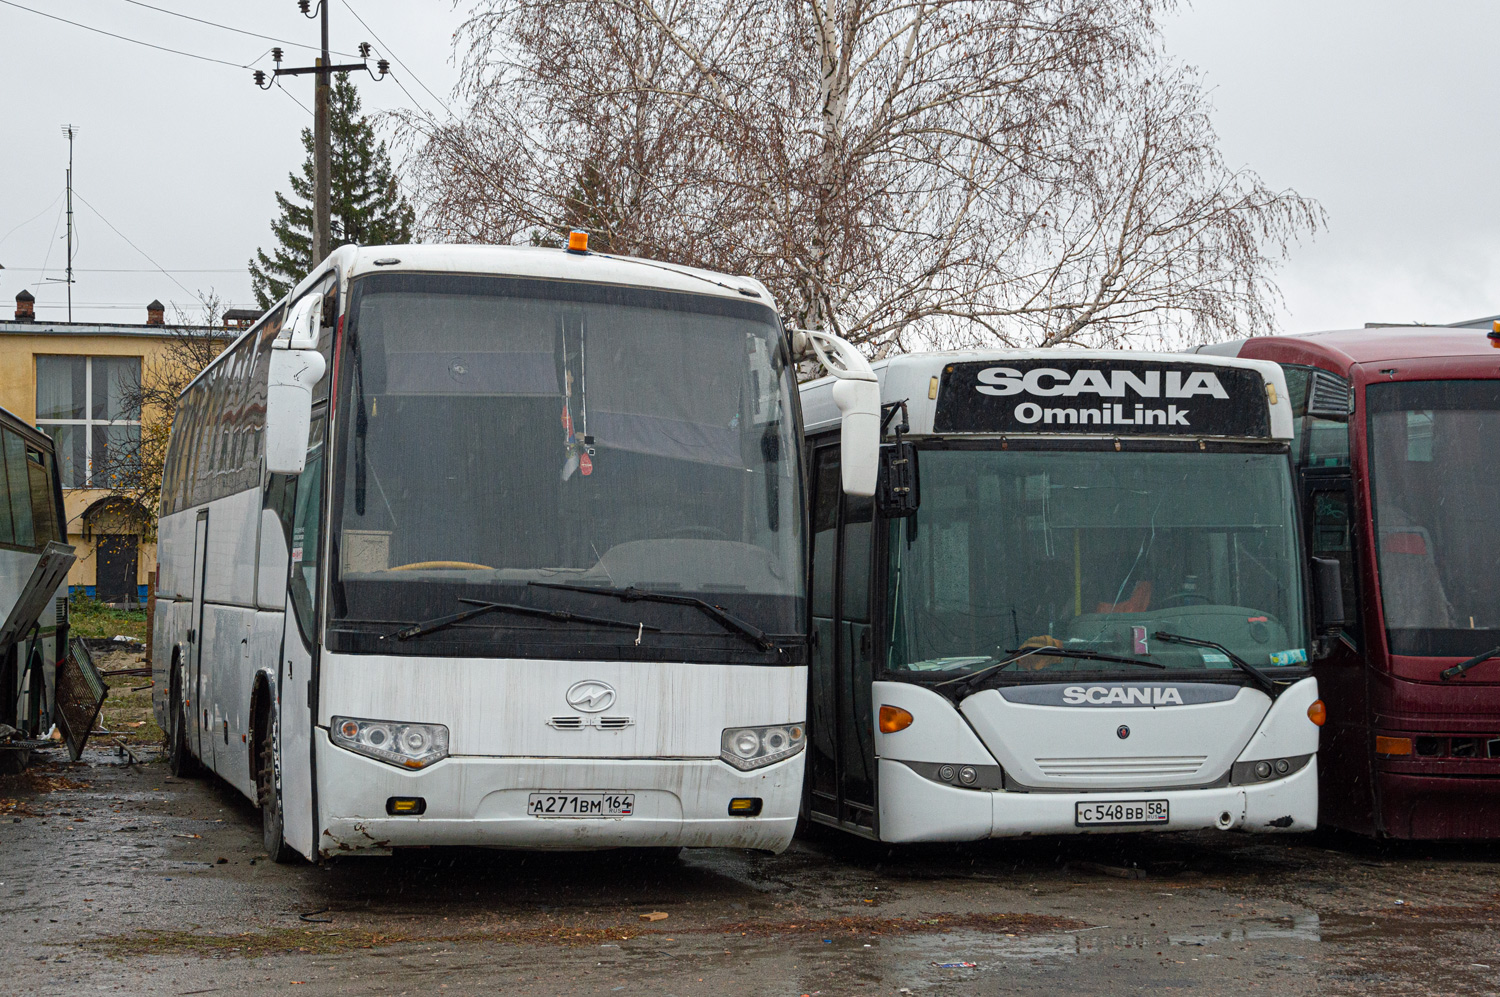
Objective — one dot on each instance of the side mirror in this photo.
(857, 395)
(1328, 596)
(897, 494)
(289, 408)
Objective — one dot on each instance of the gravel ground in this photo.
(119, 878)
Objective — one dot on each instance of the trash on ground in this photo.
(655, 915)
(187, 835)
(956, 965)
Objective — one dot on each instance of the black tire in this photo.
(269, 792)
(180, 760)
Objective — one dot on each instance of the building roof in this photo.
(42, 327)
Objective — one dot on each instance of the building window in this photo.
(89, 406)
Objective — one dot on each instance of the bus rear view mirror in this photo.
(1328, 592)
(897, 494)
(857, 395)
(289, 408)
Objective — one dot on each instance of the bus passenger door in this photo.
(841, 753)
(1345, 776)
(194, 690)
(297, 682)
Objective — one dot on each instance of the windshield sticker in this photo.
(1128, 694)
(1212, 659)
(1102, 398)
(1296, 656)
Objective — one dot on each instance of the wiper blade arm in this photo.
(734, 624)
(1261, 678)
(1055, 652)
(1463, 666)
(481, 608)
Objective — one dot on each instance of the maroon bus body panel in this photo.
(1449, 786)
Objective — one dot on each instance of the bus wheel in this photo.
(269, 792)
(179, 759)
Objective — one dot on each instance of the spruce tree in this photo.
(365, 207)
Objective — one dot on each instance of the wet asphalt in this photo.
(121, 879)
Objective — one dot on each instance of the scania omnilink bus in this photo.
(1078, 602)
(1397, 473)
(492, 546)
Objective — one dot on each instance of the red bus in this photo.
(1395, 452)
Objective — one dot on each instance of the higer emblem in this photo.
(590, 696)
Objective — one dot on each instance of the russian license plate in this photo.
(1120, 812)
(581, 804)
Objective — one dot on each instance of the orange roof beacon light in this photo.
(1317, 712)
(894, 718)
(578, 242)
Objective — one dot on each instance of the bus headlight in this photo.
(411, 746)
(749, 748)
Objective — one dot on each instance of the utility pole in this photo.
(69, 131)
(322, 223)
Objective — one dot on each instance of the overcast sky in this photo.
(1378, 109)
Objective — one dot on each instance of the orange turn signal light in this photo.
(894, 718)
(578, 242)
(1392, 745)
(1317, 712)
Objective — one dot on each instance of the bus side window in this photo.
(43, 508)
(1328, 399)
(1296, 389)
(307, 521)
(19, 488)
(1330, 511)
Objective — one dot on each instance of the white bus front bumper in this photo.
(481, 801)
(913, 808)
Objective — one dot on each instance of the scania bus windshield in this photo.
(1095, 551)
(1436, 530)
(501, 433)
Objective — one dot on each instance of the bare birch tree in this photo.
(904, 172)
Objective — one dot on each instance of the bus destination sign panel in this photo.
(1059, 395)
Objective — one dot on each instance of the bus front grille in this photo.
(1149, 767)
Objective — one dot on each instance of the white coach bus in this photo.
(497, 546)
(1076, 602)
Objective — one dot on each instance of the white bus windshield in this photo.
(499, 432)
(1096, 552)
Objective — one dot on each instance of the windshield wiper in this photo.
(481, 608)
(1463, 666)
(1261, 678)
(630, 593)
(1055, 652)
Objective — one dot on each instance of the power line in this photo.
(133, 41)
(391, 52)
(292, 97)
(33, 218)
(238, 31)
(138, 249)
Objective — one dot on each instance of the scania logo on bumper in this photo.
(1122, 732)
(590, 696)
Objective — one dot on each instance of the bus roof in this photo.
(1343, 349)
(916, 379)
(28, 432)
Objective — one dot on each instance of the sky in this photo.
(1377, 109)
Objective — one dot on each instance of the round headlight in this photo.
(1283, 766)
(349, 729)
(414, 742)
(378, 736)
(775, 741)
(967, 775)
(745, 744)
(945, 773)
(1263, 770)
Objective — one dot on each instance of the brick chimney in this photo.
(25, 307)
(156, 313)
